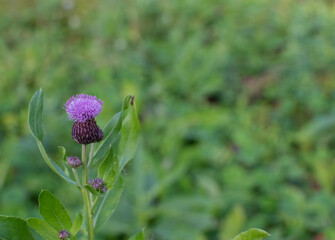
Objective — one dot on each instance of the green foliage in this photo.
(108, 205)
(14, 228)
(252, 234)
(138, 236)
(43, 228)
(35, 115)
(53, 211)
(77, 224)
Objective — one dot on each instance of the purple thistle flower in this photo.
(98, 183)
(83, 107)
(74, 162)
(63, 234)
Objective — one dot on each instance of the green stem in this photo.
(91, 155)
(76, 177)
(89, 217)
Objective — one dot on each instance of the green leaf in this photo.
(123, 136)
(13, 228)
(138, 236)
(112, 136)
(77, 224)
(54, 167)
(233, 223)
(129, 132)
(35, 125)
(35, 115)
(108, 205)
(109, 169)
(54, 212)
(92, 190)
(252, 234)
(62, 152)
(43, 228)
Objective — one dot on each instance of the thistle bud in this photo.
(74, 162)
(90, 181)
(86, 132)
(103, 189)
(98, 183)
(63, 234)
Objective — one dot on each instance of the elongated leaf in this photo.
(77, 224)
(43, 228)
(111, 138)
(129, 132)
(252, 234)
(108, 205)
(35, 115)
(109, 169)
(54, 212)
(106, 165)
(138, 236)
(13, 228)
(54, 167)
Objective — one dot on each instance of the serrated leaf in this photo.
(129, 132)
(77, 224)
(108, 205)
(54, 167)
(252, 234)
(112, 136)
(14, 228)
(35, 115)
(138, 236)
(43, 228)
(54, 212)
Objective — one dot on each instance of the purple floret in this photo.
(63, 234)
(83, 107)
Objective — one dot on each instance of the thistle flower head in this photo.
(83, 107)
(74, 162)
(63, 234)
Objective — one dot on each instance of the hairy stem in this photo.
(88, 212)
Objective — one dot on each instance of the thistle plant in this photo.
(96, 174)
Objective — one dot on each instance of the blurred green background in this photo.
(235, 97)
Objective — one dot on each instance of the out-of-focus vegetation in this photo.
(236, 102)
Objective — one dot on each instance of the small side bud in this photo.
(90, 181)
(103, 189)
(74, 162)
(63, 234)
(98, 183)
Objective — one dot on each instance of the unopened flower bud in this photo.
(63, 234)
(103, 189)
(74, 162)
(98, 183)
(87, 132)
(90, 181)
